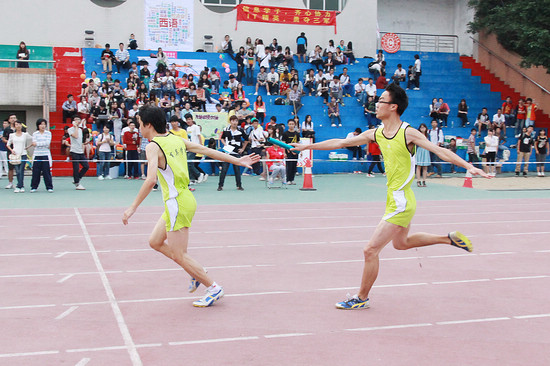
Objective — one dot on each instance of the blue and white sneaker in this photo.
(209, 298)
(460, 240)
(194, 284)
(353, 303)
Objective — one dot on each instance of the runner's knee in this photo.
(156, 244)
(370, 252)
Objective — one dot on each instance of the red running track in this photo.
(78, 288)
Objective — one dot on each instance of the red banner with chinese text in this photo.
(272, 14)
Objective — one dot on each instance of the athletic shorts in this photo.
(179, 211)
(142, 155)
(400, 207)
(301, 49)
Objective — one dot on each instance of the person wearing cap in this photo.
(233, 83)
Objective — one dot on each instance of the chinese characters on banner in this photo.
(169, 24)
(271, 14)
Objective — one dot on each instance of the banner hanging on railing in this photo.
(273, 14)
(212, 123)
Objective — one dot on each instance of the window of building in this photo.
(221, 6)
(337, 5)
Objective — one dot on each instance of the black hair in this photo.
(155, 116)
(188, 115)
(107, 45)
(473, 129)
(425, 133)
(68, 96)
(399, 97)
(399, 65)
(40, 121)
(358, 130)
(174, 119)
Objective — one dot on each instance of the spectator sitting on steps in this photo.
(334, 113)
(107, 57)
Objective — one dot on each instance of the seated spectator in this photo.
(329, 63)
(361, 92)
(310, 84)
(259, 49)
(452, 147)
(107, 58)
(330, 48)
(205, 84)
(399, 75)
(69, 108)
(294, 80)
(307, 128)
(334, 112)
(118, 92)
(83, 108)
(377, 68)
(168, 84)
(122, 58)
(294, 99)
(315, 57)
(239, 94)
(370, 112)
(339, 57)
(261, 80)
(499, 121)
(162, 60)
(276, 168)
(225, 95)
(109, 79)
(323, 90)
(260, 109)
(282, 67)
(233, 83)
(226, 45)
(371, 89)
(272, 82)
(444, 111)
(132, 42)
(348, 52)
(347, 87)
(284, 86)
(382, 82)
(482, 121)
(214, 77)
(166, 105)
(266, 58)
(434, 109)
(336, 91)
(508, 111)
(357, 151)
(463, 112)
(289, 57)
(145, 74)
(130, 95)
(155, 86)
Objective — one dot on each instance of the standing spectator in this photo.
(542, 150)
(399, 75)
(261, 80)
(417, 72)
(193, 131)
(77, 153)
(235, 141)
(132, 42)
(301, 47)
(257, 140)
(117, 117)
(240, 60)
(132, 144)
(436, 137)
(375, 153)
(122, 58)
(23, 54)
(463, 112)
(334, 113)
(17, 145)
(3, 149)
(531, 108)
(444, 111)
(525, 146)
(272, 82)
(499, 121)
(521, 112)
(482, 121)
(291, 137)
(69, 108)
(472, 154)
(356, 151)
(294, 99)
(143, 155)
(508, 111)
(423, 160)
(347, 87)
(308, 130)
(260, 109)
(41, 140)
(107, 57)
(250, 62)
(452, 147)
(491, 147)
(411, 76)
(316, 58)
(105, 142)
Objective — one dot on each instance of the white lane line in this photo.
(128, 341)
(23, 254)
(338, 288)
(213, 340)
(60, 237)
(27, 307)
(448, 256)
(460, 281)
(61, 254)
(266, 265)
(520, 278)
(332, 262)
(112, 348)
(225, 231)
(287, 335)
(542, 251)
(259, 293)
(22, 354)
(402, 285)
(497, 253)
(400, 258)
(28, 275)
(349, 241)
(532, 316)
(66, 312)
(134, 250)
(473, 321)
(390, 327)
(61, 280)
(83, 362)
(531, 233)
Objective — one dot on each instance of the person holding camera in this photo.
(77, 152)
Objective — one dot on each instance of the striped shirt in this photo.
(43, 141)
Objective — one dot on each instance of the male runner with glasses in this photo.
(397, 142)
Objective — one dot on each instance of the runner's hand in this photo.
(127, 214)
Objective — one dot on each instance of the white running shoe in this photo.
(209, 298)
(80, 187)
(200, 179)
(16, 190)
(143, 177)
(108, 177)
(370, 175)
(21, 190)
(9, 186)
(100, 177)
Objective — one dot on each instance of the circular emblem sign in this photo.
(391, 42)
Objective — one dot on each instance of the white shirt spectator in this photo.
(499, 119)
(371, 90)
(264, 61)
(335, 86)
(400, 73)
(436, 136)
(319, 78)
(491, 143)
(193, 132)
(359, 88)
(260, 51)
(122, 55)
(273, 77)
(83, 107)
(257, 137)
(344, 79)
(417, 65)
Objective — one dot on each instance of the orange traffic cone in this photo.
(468, 181)
(308, 181)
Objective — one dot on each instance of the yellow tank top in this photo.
(174, 178)
(399, 161)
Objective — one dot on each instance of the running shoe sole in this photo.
(209, 299)
(352, 305)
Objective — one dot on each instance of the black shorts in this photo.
(301, 49)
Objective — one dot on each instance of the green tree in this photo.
(521, 26)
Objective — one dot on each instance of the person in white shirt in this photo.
(272, 82)
(193, 132)
(436, 137)
(330, 47)
(233, 83)
(83, 108)
(491, 147)
(265, 60)
(371, 89)
(499, 120)
(122, 58)
(357, 151)
(42, 156)
(17, 145)
(345, 81)
(336, 90)
(361, 92)
(399, 75)
(257, 140)
(315, 57)
(417, 72)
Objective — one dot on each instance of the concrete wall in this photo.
(511, 77)
(443, 17)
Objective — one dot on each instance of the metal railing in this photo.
(424, 42)
(510, 66)
(42, 64)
